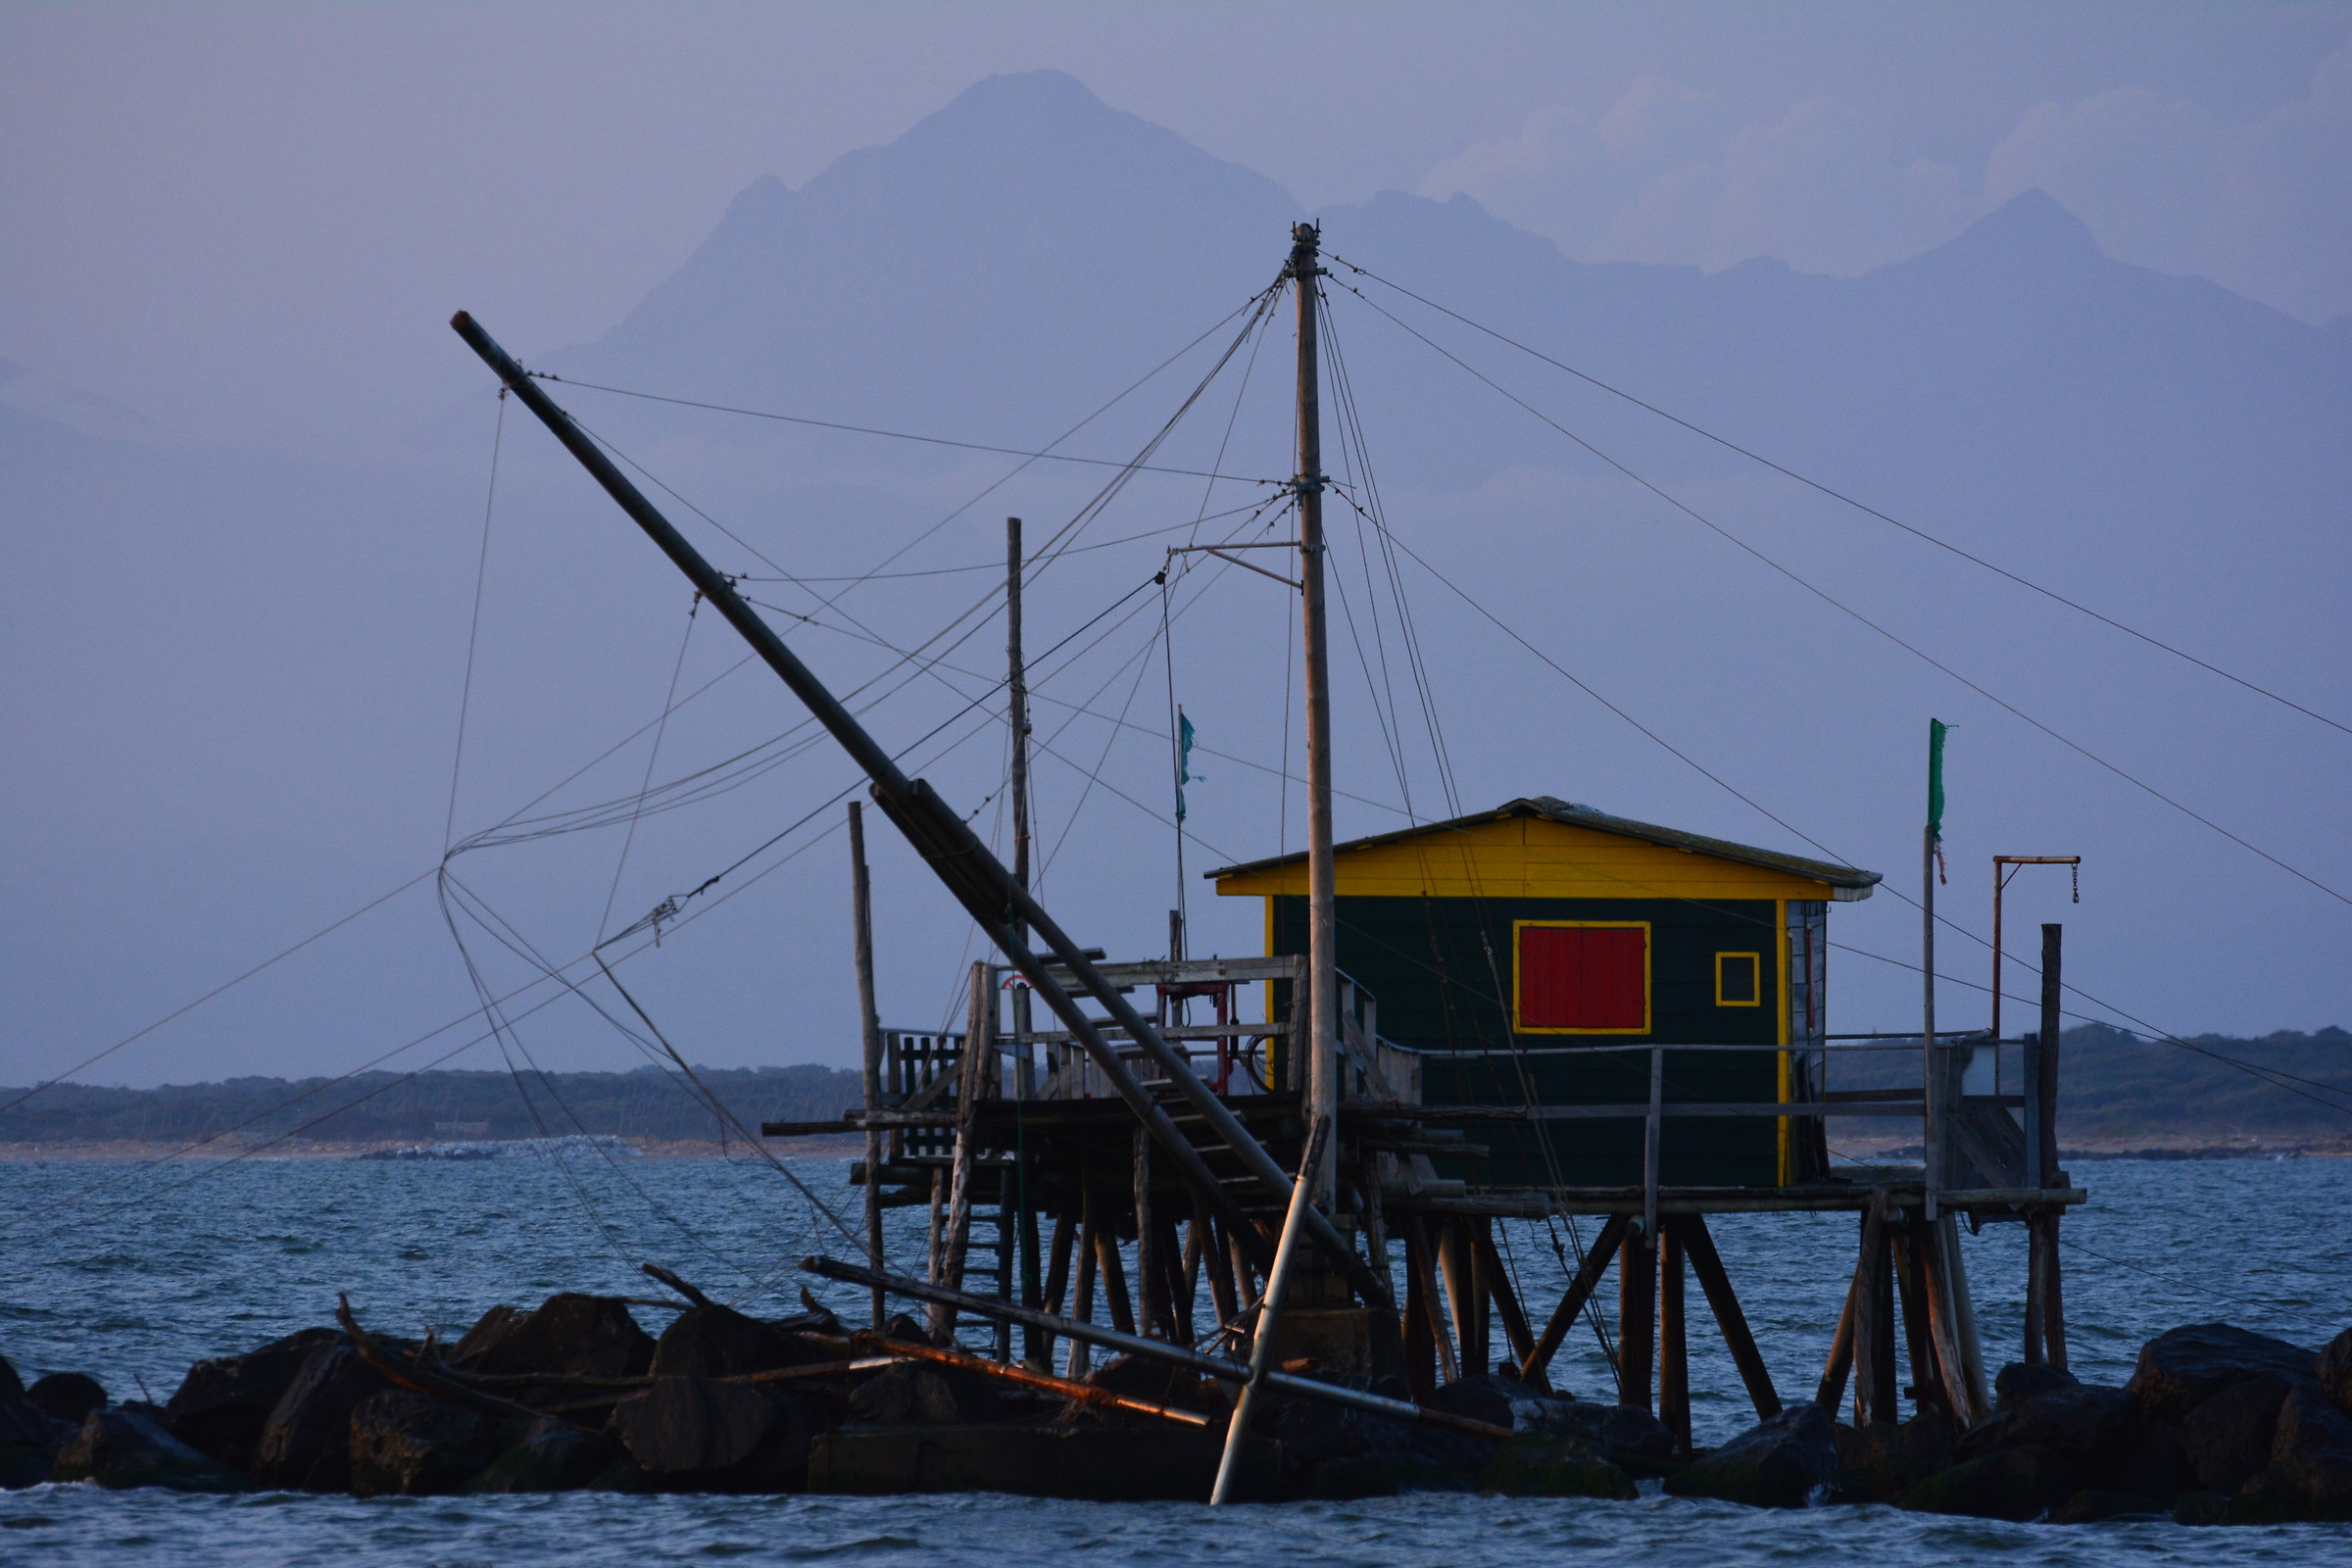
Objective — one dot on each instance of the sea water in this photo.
(131, 1272)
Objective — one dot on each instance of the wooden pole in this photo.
(1420, 1329)
(1270, 1317)
(1832, 1390)
(1216, 1258)
(2044, 1088)
(1954, 1268)
(1932, 1058)
(1874, 1321)
(1730, 1320)
(869, 1033)
(1571, 1302)
(1083, 1306)
(1674, 1343)
(973, 1071)
(2043, 1229)
(1934, 1262)
(1910, 1275)
(1462, 1298)
(1506, 1299)
(1112, 1268)
(1146, 1278)
(1637, 1318)
(1421, 1259)
(1056, 1283)
(1322, 940)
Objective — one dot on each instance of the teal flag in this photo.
(1937, 729)
(1184, 762)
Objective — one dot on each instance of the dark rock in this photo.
(569, 1335)
(2018, 1382)
(1504, 1402)
(550, 1455)
(1387, 1474)
(1778, 1463)
(904, 1393)
(1988, 1435)
(2200, 1508)
(2310, 1425)
(2154, 1463)
(2315, 1488)
(128, 1445)
(702, 1433)
(2017, 1484)
(2228, 1436)
(1142, 1379)
(66, 1395)
(2334, 1369)
(1535, 1465)
(1314, 1432)
(223, 1405)
(1627, 1435)
(410, 1444)
(719, 1342)
(305, 1442)
(1875, 1462)
(2183, 1368)
(10, 1383)
(28, 1442)
(2089, 1507)
(2092, 1425)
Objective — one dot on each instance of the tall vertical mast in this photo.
(1322, 925)
(1018, 687)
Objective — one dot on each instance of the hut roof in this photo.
(1845, 882)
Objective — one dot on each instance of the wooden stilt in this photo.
(1533, 1366)
(939, 1215)
(1007, 1239)
(972, 1087)
(2054, 1294)
(1874, 1321)
(1423, 1256)
(1831, 1392)
(1948, 1365)
(1454, 1263)
(1420, 1317)
(1083, 1306)
(2036, 1309)
(1056, 1283)
(1952, 1267)
(1376, 1225)
(1175, 1297)
(1637, 1318)
(1506, 1299)
(1149, 1287)
(1112, 1268)
(1730, 1320)
(1218, 1258)
(1674, 1343)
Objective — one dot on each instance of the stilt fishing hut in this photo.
(1541, 1011)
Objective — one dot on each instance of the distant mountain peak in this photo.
(2029, 225)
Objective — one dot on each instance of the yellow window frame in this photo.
(1519, 1024)
(1756, 962)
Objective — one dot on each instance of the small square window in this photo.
(1738, 980)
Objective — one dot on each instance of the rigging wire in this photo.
(1046, 455)
(473, 624)
(653, 755)
(1843, 608)
(1840, 496)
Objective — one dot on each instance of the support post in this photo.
(1270, 1317)
(2044, 1087)
(1707, 1263)
(1637, 1318)
(2042, 1233)
(1572, 1301)
(1932, 1083)
(1462, 1298)
(1674, 1343)
(869, 1035)
(1082, 1310)
(973, 1071)
(1830, 1392)
(1515, 1328)
(1874, 1321)
(1148, 1283)
(1421, 1259)
(1056, 1284)
(1652, 1131)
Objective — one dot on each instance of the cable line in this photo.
(1841, 496)
(1843, 608)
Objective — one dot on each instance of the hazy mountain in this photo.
(239, 677)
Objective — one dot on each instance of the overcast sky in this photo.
(246, 227)
(245, 223)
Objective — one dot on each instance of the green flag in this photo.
(1937, 729)
(1183, 760)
